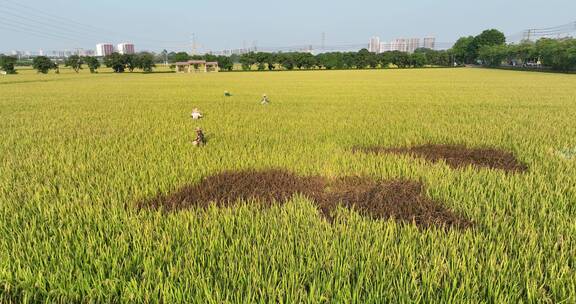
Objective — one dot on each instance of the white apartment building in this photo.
(385, 47)
(407, 45)
(126, 48)
(374, 45)
(399, 44)
(412, 44)
(430, 42)
(104, 49)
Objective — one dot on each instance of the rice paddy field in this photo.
(80, 152)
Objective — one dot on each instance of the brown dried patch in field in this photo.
(457, 156)
(401, 200)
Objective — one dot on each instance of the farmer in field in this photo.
(196, 114)
(200, 140)
(264, 100)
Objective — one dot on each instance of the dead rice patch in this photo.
(456, 156)
(401, 200)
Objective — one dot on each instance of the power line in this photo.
(29, 29)
(49, 17)
(53, 28)
(66, 23)
(529, 34)
(4, 27)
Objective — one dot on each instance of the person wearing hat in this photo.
(196, 114)
(264, 100)
(200, 140)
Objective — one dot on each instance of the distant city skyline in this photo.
(34, 25)
(408, 45)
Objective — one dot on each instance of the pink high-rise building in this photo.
(104, 49)
(126, 48)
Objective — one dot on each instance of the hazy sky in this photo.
(155, 25)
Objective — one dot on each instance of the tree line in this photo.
(117, 62)
(488, 48)
(120, 62)
(465, 51)
(554, 54)
(333, 60)
(43, 64)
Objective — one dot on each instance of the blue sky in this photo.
(154, 25)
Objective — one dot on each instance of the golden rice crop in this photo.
(78, 151)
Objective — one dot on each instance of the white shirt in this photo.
(196, 115)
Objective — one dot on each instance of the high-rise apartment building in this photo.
(412, 44)
(374, 45)
(126, 48)
(430, 42)
(104, 49)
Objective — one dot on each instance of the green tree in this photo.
(286, 60)
(145, 62)
(130, 61)
(116, 62)
(349, 60)
(384, 59)
(304, 60)
(557, 54)
(373, 60)
(430, 54)
(7, 64)
(418, 60)
(440, 58)
(489, 38)
(493, 55)
(271, 61)
(92, 63)
(466, 49)
(260, 59)
(75, 62)
(43, 64)
(225, 63)
(179, 57)
(247, 60)
(329, 61)
(463, 50)
(364, 58)
(400, 59)
(209, 57)
(525, 52)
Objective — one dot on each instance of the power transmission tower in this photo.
(194, 46)
(323, 40)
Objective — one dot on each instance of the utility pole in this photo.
(528, 33)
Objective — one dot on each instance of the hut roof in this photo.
(189, 62)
